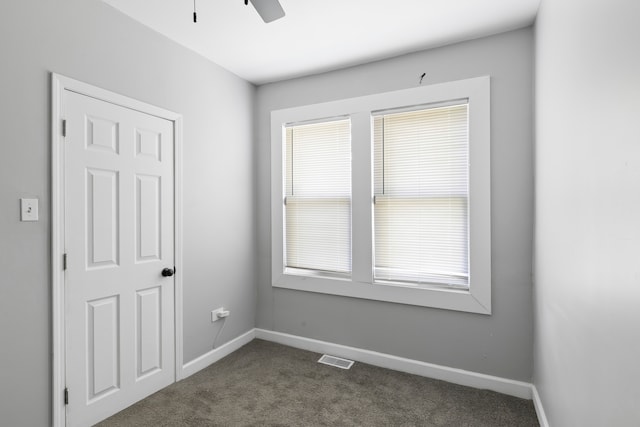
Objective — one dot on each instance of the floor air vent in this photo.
(336, 361)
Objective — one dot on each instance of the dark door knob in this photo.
(168, 272)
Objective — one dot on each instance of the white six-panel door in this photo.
(119, 231)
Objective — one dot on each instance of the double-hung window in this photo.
(318, 198)
(386, 197)
(421, 195)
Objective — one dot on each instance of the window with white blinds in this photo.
(389, 199)
(421, 195)
(318, 197)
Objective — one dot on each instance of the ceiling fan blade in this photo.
(269, 10)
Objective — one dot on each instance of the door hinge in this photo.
(66, 396)
(64, 261)
(64, 128)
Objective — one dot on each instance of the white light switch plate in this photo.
(28, 209)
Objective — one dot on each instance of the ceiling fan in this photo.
(269, 10)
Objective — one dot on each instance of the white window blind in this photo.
(421, 195)
(318, 197)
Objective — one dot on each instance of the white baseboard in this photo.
(537, 403)
(216, 354)
(453, 375)
(457, 376)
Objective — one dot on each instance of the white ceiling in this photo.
(322, 35)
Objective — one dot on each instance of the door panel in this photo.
(119, 235)
(102, 134)
(148, 144)
(148, 191)
(102, 218)
(102, 346)
(149, 332)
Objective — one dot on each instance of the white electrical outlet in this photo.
(219, 313)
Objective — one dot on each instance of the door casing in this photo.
(59, 84)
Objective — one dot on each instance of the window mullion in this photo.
(361, 179)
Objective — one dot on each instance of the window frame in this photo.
(299, 270)
(384, 171)
(475, 299)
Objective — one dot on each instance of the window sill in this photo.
(449, 299)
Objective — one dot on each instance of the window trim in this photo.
(477, 299)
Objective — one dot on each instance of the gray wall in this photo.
(498, 345)
(89, 41)
(587, 275)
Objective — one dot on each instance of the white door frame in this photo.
(58, 85)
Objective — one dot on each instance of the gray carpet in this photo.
(267, 384)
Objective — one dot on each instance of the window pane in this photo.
(421, 239)
(319, 159)
(318, 196)
(319, 234)
(421, 188)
